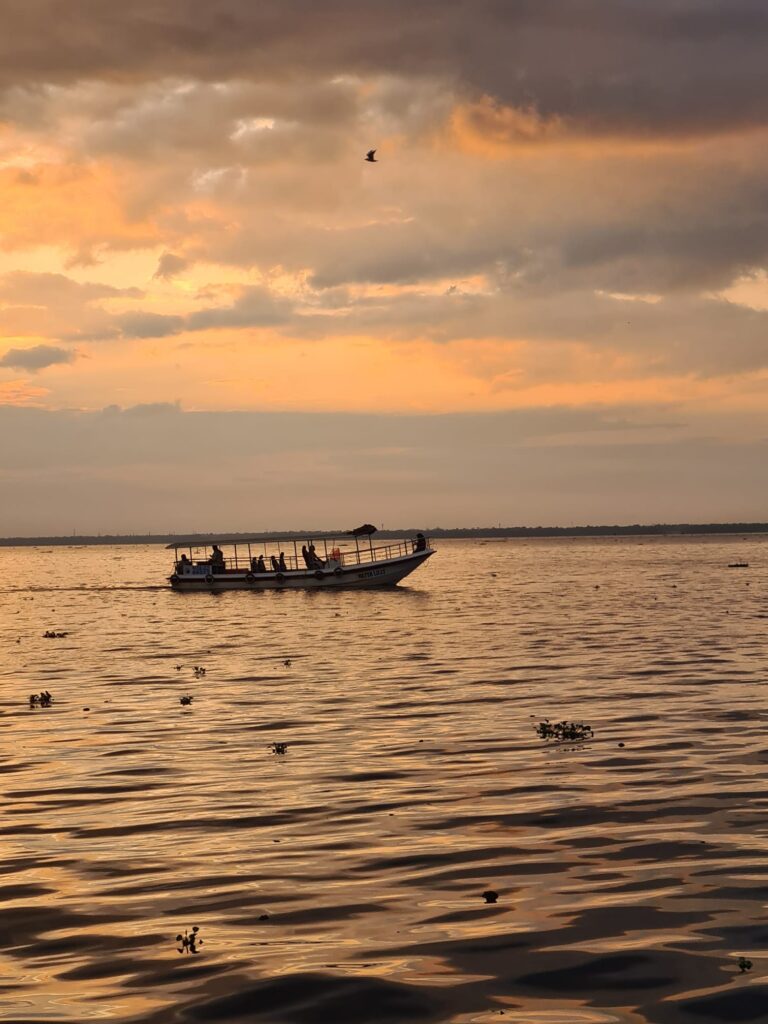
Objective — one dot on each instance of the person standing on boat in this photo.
(281, 562)
(305, 556)
(275, 564)
(217, 558)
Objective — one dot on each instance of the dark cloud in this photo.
(145, 325)
(169, 265)
(662, 221)
(254, 307)
(36, 358)
(259, 106)
(645, 66)
(58, 307)
(20, 287)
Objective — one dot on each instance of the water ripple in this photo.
(343, 880)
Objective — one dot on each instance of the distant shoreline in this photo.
(470, 533)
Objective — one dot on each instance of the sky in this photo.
(545, 303)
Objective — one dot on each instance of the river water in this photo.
(342, 881)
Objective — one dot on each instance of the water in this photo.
(342, 881)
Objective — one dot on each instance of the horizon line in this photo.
(457, 532)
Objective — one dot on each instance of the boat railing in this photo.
(361, 555)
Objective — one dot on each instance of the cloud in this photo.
(149, 409)
(36, 358)
(614, 464)
(169, 265)
(19, 288)
(255, 307)
(650, 67)
(541, 162)
(145, 325)
(56, 306)
(250, 154)
(19, 393)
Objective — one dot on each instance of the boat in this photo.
(258, 564)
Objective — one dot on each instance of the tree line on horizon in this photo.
(469, 533)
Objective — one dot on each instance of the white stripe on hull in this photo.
(369, 574)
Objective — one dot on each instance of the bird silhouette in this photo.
(370, 156)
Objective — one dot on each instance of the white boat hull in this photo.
(386, 572)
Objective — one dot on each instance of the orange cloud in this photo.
(250, 369)
(20, 392)
(73, 205)
(490, 129)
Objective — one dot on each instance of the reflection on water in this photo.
(343, 880)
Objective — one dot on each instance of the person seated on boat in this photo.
(305, 556)
(184, 563)
(420, 544)
(275, 564)
(217, 558)
(281, 562)
(260, 564)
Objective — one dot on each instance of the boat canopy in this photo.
(264, 538)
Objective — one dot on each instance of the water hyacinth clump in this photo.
(43, 700)
(189, 943)
(564, 730)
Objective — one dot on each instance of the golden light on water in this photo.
(413, 781)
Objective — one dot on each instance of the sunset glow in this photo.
(197, 226)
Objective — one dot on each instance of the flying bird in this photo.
(369, 156)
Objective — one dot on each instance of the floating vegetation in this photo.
(490, 896)
(278, 748)
(198, 670)
(744, 964)
(738, 565)
(40, 700)
(564, 730)
(287, 662)
(51, 634)
(186, 699)
(189, 943)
